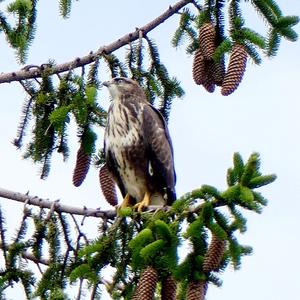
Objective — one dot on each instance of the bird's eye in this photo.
(119, 80)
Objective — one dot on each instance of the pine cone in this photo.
(208, 81)
(219, 72)
(196, 290)
(135, 295)
(214, 254)
(236, 69)
(147, 284)
(198, 67)
(108, 186)
(207, 40)
(81, 168)
(168, 288)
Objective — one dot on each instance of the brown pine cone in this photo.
(147, 284)
(198, 67)
(108, 186)
(214, 254)
(219, 72)
(168, 288)
(81, 168)
(208, 82)
(207, 40)
(236, 69)
(196, 290)
(135, 295)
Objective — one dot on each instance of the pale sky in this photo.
(262, 115)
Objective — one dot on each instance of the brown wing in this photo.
(159, 150)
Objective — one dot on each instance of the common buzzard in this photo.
(137, 145)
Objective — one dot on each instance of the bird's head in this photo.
(122, 87)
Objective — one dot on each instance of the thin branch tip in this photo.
(33, 72)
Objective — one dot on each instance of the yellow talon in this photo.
(126, 201)
(144, 203)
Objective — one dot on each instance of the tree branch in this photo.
(30, 72)
(61, 208)
(30, 256)
(56, 206)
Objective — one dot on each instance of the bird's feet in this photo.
(126, 201)
(144, 203)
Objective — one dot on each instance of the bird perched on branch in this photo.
(137, 145)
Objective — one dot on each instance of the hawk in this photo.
(138, 148)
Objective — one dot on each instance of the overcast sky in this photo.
(262, 115)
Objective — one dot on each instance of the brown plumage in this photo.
(83, 161)
(137, 145)
(236, 69)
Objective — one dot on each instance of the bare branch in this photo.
(56, 206)
(35, 72)
(61, 208)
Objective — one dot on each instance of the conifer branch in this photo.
(56, 206)
(29, 256)
(62, 208)
(36, 72)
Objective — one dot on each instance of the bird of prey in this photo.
(137, 146)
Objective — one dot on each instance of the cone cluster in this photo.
(108, 186)
(83, 162)
(168, 288)
(206, 71)
(214, 254)
(209, 73)
(236, 69)
(196, 290)
(147, 284)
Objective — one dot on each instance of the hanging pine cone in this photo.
(168, 288)
(196, 290)
(108, 186)
(81, 168)
(214, 254)
(208, 81)
(135, 295)
(207, 40)
(219, 72)
(147, 284)
(198, 67)
(236, 69)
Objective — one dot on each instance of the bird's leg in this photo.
(126, 201)
(144, 203)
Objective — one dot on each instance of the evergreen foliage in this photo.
(51, 104)
(21, 34)
(132, 242)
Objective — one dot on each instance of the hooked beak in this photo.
(106, 83)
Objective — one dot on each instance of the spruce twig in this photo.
(85, 60)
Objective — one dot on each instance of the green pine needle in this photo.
(262, 180)
(149, 252)
(65, 8)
